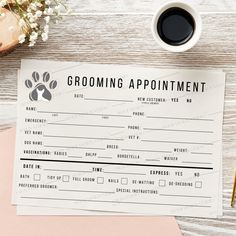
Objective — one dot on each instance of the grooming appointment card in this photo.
(119, 139)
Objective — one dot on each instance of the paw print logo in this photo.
(40, 91)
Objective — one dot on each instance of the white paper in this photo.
(48, 211)
(145, 141)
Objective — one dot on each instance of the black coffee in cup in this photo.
(175, 26)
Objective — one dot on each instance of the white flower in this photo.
(47, 2)
(33, 6)
(3, 3)
(38, 13)
(21, 38)
(38, 4)
(31, 17)
(32, 43)
(44, 36)
(29, 10)
(46, 28)
(47, 19)
(33, 36)
(35, 17)
(33, 25)
(2, 14)
(48, 11)
(21, 22)
(58, 8)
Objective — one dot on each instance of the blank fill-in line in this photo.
(180, 130)
(123, 173)
(164, 141)
(77, 137)
(178, 118)
(196, 162)
(86, 125)
(108, 100)
(152, 159)
(75, 171)
(105, 157)
(176, 195)
(140, 150)
(50, 146)
(75, 157)
(117, 164)
(84, 191)
(118, 202)
(82, 114)
(202, 153)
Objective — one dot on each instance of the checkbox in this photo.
(37, 177)
(124, 181)
(65, 178)
(162, 183)
(198, 184)
(100, 180)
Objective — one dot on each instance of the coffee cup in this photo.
(176, 26)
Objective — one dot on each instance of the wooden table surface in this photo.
(118, 32)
